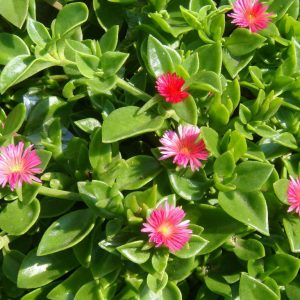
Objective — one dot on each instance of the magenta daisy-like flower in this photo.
(166, 228)
(251, 14)
(170, 86)
(185, 147)
(18, 165)
(294, 195)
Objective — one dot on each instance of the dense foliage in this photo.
(78, 82)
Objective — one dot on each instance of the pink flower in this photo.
(170, 86)
(294, 195)
(250, 13)
(18, 165)
(165, 227)
(186, 147)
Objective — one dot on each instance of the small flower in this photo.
(18, 165)
(170, 86)
(251, 14)
(166, 228)
(294, 195)
(186, 147)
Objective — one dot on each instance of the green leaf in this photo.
(39, 293)
(17, 218)
(101, 85)
(10, 47)
(218, 285)
(191, 18)
(125, 122)
(14, 11)
(211, 140)
(291, 224)
(191, 64)
(133, 251)
(253, 289)
(20, 68)
(66, 232)
(160, 260)
(159, 59)
(214, 52)
(90, 291)
(71, 16)
(218, 112)
(108, 14)
(88, 124)
(45, 157)
(224, 165)
(156, 283)
(281, 190)
(170, 292)
(280, 10)
(188, 188)
(242, 42)
(28, 192)
(237, 145)
(36, 271)
(293, 290)
(137, 171)
(100, 154)
(187, 110)
(38, 33)
(248, 249)
(178, 269)
(14, 119)
(217, 26)
(70, 286)
(286, 139)
(83, 251)
(166, 25)
(111, 62)
(109, 39)
(42, 112)
(282, 267)
(205, 81)
(101, 198)
(104, 263)
(87, 64)
(214, 232)
(11, 264)
(192, 248)
(138, 199)
(248, 208)
(252, 175)
(235, 64)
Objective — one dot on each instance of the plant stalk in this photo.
(133, 90)
(54, 193)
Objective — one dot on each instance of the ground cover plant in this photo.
(149, 149)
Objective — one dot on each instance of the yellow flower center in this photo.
(184, 150)
(250, 17)
(165, 229)
(18, 167)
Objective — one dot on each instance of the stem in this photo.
(128, 87)
(59, 77)
(54, 193)
(290, 106)
(55, 4)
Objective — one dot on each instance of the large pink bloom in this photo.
(170, 86)
(166, 228)
(18, 165)
(294, 195)
(251, 14)
(186, 147)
